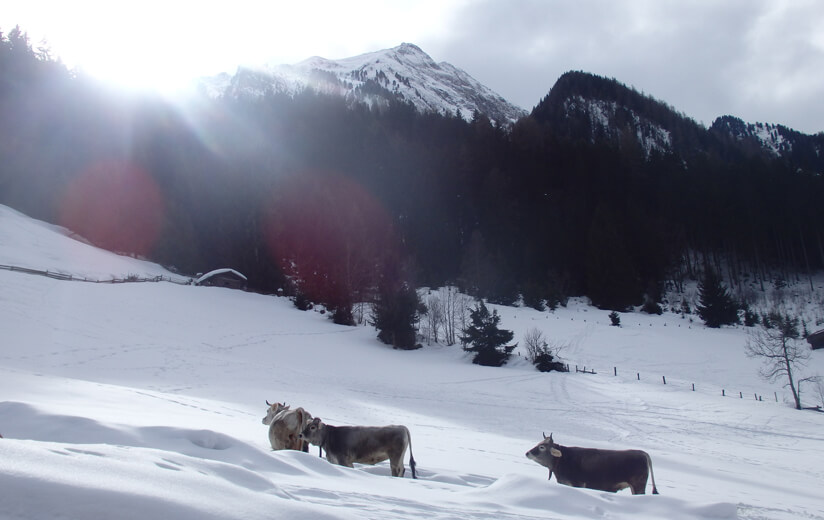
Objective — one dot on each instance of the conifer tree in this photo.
(485, 339)
(716, 307)
(396, 310)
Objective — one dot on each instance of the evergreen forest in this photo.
(321, 197)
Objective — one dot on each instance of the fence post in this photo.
(665, 379)
(639, 375)
(776, 396)
(741, 395)
(615, 369)
(722, 393)
(693, 387)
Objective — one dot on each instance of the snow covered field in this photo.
(128, 400)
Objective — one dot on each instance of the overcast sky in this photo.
(760, 60)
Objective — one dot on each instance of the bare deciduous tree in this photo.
(535, 343)
(447, 313)
(819, 390)
(781, 353)
(433, 320)
(455, 310)
(541, 353)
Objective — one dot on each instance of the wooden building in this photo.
(223, 278)
(816, 339)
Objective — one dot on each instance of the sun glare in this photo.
(165, 46)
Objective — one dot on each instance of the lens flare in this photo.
(116, 205)
(327, 233)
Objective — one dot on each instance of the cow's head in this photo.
(273, 410)
(314, 432)
(545, 453)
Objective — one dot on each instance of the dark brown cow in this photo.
(606, 470)
(345, 445)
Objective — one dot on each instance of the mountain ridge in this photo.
(579, 104)
(586, 106)
(403, 73)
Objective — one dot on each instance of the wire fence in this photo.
(682, 384)
(70, 277)
(706, 388)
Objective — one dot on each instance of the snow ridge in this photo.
(404, 73)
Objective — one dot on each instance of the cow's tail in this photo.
(651, 474)
(411, 457)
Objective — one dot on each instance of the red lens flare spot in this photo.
(327, 233)
(115, 205)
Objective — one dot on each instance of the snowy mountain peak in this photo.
(403, 73)
(412, 50)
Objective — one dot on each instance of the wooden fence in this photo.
(63, 276)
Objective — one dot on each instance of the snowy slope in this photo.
(404, 72)
(767, 137)
(34, 244)
(146, 399)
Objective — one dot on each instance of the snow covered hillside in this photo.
(604, 117)
(128, 400)
(404, 72)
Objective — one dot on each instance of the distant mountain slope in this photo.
(593, 108)
(404, 73)
(590, 107)
(802, 150)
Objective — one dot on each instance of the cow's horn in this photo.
(268, 403)
(544, 434)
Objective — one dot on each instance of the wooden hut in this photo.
(816, 339)
(223, 278)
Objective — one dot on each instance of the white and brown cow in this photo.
(605, 470)
(285, 426)
(346, 445)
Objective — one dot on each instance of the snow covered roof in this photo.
(217, 272)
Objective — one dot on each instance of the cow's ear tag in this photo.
(554, 452)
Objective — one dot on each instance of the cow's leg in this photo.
(398, 469)
(340, 461)
(396, 457)
(638, 486)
